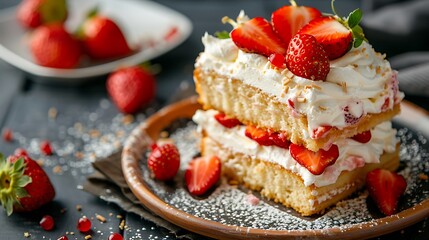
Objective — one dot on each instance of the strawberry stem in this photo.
(230, 21)
(333, 8)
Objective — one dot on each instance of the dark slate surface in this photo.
(24, 105)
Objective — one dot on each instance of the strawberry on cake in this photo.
(297, 107)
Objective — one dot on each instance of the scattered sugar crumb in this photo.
(230, 204)
(423, 176)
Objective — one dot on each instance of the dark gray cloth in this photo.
(400, 29)
(108, 175)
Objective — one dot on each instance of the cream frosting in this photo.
(352, 154)
(358, 82)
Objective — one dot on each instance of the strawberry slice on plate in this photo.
(363, 137)
(306, 58)
(385, 188)
(202, 174)
(288, 20)
(315, 162)
(256, 36)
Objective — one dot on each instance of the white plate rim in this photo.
(183, 25)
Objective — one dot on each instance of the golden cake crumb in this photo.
(100, 218)
(163, 134)
(88, 237)
(423, 176)
(40, 162)
(128, 119)
(122, 225)
(79, 155)
(27, 234)
(94, 133)
(57, 169)
(52, 113)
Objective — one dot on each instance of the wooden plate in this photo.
(136, 146)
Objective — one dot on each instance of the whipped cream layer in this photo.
(352, 154)
(360, 82)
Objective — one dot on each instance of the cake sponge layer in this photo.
(254, 107)
(281, 185)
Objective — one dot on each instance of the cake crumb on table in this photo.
(100, 218)
(423, 176)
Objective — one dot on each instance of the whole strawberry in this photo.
(131, 88)
(24, 185)
(52, 46)
(33, 13)
(102, 38)
(164, 161)
(307, 58)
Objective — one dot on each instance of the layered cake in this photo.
(298, 110)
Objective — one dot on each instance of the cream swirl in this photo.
(352, 154)
(358, 82)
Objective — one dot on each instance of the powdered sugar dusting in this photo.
(229, 205)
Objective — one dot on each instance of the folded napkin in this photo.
(108, 175)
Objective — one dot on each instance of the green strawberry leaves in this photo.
(222, 35)
(12, 183)
(352, 23)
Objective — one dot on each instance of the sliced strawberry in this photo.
(278, 60)
(306, 58)
(315, 162)
(288, 20)
(320, 132)
(164, 161)
(350, 118)
(202, 174)
(259, 135)
(257, 36)
(335, 38)
(280, 139)
(362, 137)
(291, 103)
(385, 105)
(226, 121)
(385, 188)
